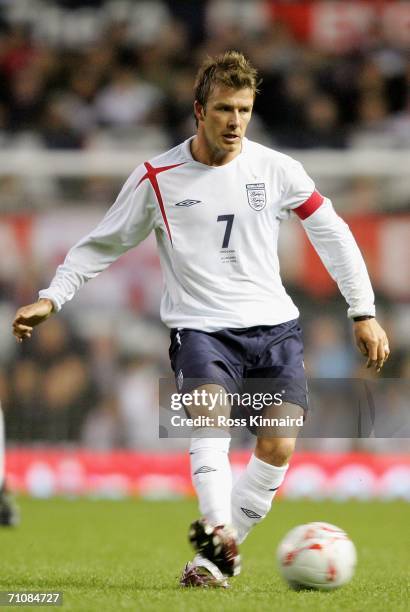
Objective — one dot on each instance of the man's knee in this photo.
(211, 401)
(276, 451)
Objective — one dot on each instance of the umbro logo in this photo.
(250, 513)
(188, 203)
(204, 470)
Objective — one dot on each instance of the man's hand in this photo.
(372, 342)
(29, 316)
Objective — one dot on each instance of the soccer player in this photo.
(216, 202)
(9, 515)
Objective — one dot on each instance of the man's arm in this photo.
(338, 250)
(125, 225)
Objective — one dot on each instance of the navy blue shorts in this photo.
(270, 356)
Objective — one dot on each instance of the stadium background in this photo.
(89, 90)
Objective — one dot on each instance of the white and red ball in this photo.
(316, 555)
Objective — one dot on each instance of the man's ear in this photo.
(199, 111)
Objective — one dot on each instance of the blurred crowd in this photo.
(131, 85)
(61, 387)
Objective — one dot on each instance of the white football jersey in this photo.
(217, 232)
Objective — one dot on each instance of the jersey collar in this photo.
(187, 152)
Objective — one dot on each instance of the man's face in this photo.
(225, 118)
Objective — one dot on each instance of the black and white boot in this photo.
(9, 514)
(217, 544)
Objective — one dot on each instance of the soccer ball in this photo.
(316, 556)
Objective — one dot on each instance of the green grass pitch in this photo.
(127, 555)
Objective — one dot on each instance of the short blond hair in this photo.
(231, 69)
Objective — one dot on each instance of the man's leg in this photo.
(210, 467)
(196, 359)
(212, 536)
(9, 514)
(2, 449)
(253, 493)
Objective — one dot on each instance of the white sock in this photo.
(253, 493)
(212, 477)
(2, 448)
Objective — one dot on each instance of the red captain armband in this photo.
(307, 208)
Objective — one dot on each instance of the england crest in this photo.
(256, 195)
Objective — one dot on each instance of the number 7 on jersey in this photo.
(228, 229)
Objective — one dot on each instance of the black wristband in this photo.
(362, 318)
